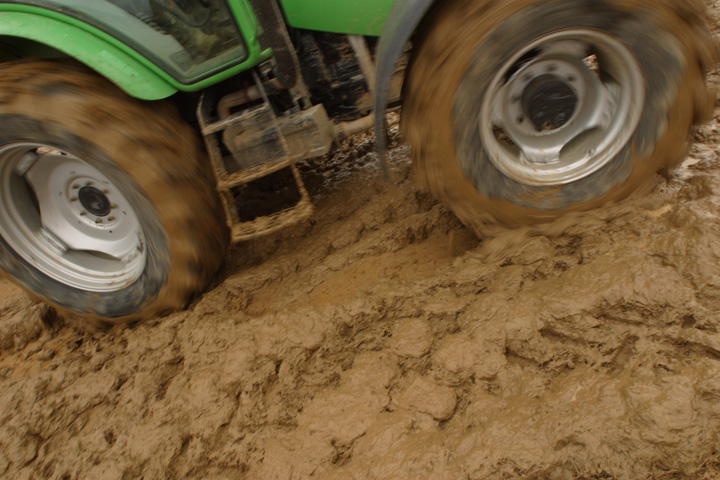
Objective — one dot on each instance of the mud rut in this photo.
(383, 340)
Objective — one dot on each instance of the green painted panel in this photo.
(359, 17)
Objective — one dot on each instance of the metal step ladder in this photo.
(228, 181)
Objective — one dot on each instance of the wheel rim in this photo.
(66, 219)
(562, 107)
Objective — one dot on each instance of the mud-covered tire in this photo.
(458, 62)
(138, 160)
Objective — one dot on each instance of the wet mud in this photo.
(382, 339)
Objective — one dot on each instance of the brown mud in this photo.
(382, 339)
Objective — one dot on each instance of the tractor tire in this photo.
(519, 111)
(108, 209)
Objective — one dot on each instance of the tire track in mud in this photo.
(382, 340)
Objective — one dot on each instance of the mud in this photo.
(382, 339)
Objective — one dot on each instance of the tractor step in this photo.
(262, 145)
(285, 217)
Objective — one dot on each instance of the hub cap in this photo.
(94, 201)
(65, 218)
(562, 107)
(549, 102)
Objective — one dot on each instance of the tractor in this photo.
(135, 134)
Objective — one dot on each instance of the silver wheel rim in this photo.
(585, 83)
(67, 220)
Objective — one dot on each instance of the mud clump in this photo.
(381, 340)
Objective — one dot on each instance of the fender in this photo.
(403, 19)
(120, 63)
(123, 69)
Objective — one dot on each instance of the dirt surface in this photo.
(383, 340)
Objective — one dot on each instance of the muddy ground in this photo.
(382, 339)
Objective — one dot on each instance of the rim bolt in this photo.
(112, 205)
(89, 184)
(83, 212)
(73, 199)
(98, 220)
(106, 191)
(111, 218)
(76, 186)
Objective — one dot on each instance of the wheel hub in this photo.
(549, 102)
(554, 114)
(68, 220)
(94, 201)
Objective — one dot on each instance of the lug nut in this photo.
(83, 212)
(98, 220)
(73, 199)
(76, 186)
